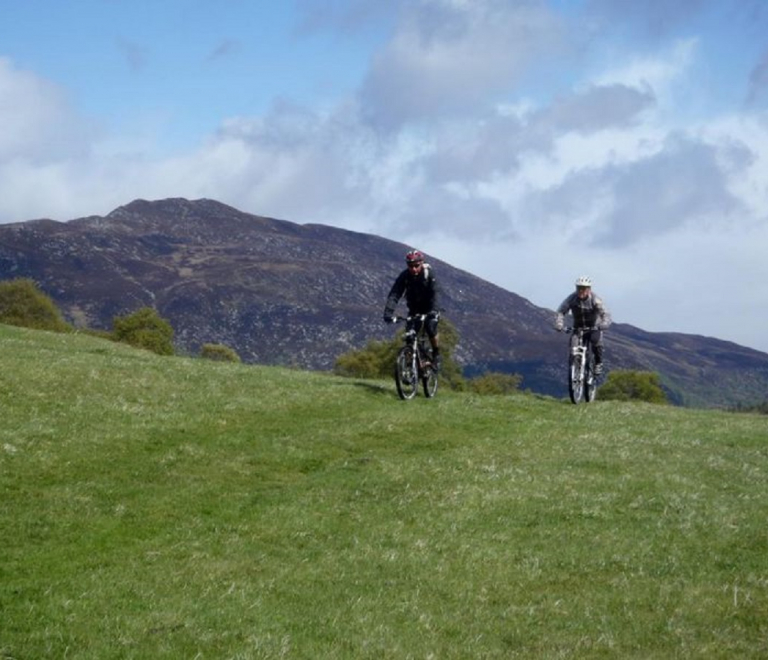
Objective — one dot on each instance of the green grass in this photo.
(156, 507)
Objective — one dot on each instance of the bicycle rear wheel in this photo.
(429, 381)
(575, 383)
(406, 378)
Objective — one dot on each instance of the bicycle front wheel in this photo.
(575, 382)
(406, 378)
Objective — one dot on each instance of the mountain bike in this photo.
(414, 360)
(582, 381)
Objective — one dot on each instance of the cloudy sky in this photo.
(526, 141)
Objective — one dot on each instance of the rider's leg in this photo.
(596, 338)
(434, 340)
(437, 359)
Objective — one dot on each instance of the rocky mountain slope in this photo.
(282, 293)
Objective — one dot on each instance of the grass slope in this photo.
(176, 508)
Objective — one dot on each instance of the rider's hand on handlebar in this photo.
(388, 318)
(559, 326)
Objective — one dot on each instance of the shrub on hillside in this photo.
(377, 358)
(23, 304)
(494, 382)
(219, 353)
(627, 385)
(145, 328)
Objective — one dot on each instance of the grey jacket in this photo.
(587, 313)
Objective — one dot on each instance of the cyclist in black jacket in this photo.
(417, 282)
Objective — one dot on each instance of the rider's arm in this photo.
(564, 308)
(604, 319)
(395, 293)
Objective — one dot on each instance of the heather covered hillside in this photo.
(280, 293)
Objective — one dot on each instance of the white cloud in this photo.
(452, 57)
(38, 122)
(743, 142)
(660, 72)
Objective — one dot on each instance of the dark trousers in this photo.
(595, 337)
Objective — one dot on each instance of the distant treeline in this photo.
(761, 408)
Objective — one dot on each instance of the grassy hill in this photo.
(156, 507)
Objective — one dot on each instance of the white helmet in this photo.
(584, 281)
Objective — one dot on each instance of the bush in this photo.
(377, 359)
(219, 353)
(23, 304)
(626, 385)
(144, 328)
(495, 383)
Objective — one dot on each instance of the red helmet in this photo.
(414, 257)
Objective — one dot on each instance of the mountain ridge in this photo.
(284, 293)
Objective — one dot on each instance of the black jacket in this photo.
(421, 292)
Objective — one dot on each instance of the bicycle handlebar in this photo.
(571, 330)
(421, 317)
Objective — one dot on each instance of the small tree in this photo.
(626, 385)
(377, 359)
(450, 373)
(145, 328)
(219, 353)
(23, 304)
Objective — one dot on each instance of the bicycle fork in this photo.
(415, 363)
(579, 353)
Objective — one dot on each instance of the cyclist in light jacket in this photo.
(589, 313)
(417, 282)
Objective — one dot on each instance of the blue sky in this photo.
(527, 141)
